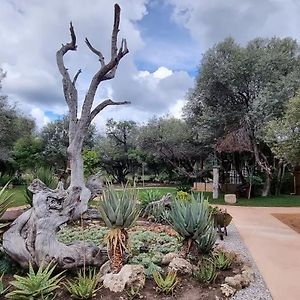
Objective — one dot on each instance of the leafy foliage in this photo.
(84, 286)
(283, 134)
(36, 285)
(167, 284)
(207, 271)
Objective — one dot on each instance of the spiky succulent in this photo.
(191, 219)
(5, 199)
(206, 241)
(223, 259)
(119, 210)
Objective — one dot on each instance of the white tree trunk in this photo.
(32, 237)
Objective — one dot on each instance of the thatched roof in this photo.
(236, 140)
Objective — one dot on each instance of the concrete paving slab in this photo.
(275, 247)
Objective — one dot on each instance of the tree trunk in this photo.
(32, 236)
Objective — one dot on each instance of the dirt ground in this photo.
(291, 220)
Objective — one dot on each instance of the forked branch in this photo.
(97, 52)
(105, 103)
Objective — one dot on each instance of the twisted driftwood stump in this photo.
(32, 236)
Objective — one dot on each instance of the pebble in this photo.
(257, 289)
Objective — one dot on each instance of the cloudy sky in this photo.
(166, 39)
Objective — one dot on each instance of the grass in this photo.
(272, 201)
(18, 195)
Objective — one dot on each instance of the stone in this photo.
(235, 281)
(181, 266)
(105, 269)
(227, 290)
(129, 276)
(248, 272)
(230, 198)
(168, 258)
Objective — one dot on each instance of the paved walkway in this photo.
(274, 246)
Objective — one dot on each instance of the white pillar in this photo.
(215, 182)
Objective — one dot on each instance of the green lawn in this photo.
(18, 195)
(282, 200)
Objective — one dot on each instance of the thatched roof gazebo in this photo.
(236, 140)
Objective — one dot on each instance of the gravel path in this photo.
(258, 289)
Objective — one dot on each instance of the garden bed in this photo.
(291, 220)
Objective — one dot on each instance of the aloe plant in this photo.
(5, 199)
(84, 286)
(223, 260)
(167, 284)
(207, 271)
(191, 219)
(119, 211)
(36, 285)
(206, 241)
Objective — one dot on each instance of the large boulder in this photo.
(129, 276)
(180, 266)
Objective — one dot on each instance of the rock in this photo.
(235, 281)
(248, 273)
(168, 258)
(180, 266)
(129, 276)
(105, 269)
(230, 198)
(227, 290)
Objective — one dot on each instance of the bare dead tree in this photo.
(78, 126)
(32, 236)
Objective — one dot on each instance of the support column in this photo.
(215, 182)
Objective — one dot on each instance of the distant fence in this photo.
(208, 187)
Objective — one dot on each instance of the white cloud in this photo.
(39, 116)
(212, 21)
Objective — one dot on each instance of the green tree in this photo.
(117, 150)
(170, 142)
(27, 153)
(244, 87)
(13, 125)
(55, 141)
(283, 134)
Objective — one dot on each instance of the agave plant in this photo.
(119, 211)
(191, 219)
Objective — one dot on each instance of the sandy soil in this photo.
(291, 220)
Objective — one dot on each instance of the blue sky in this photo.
(166, 39)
